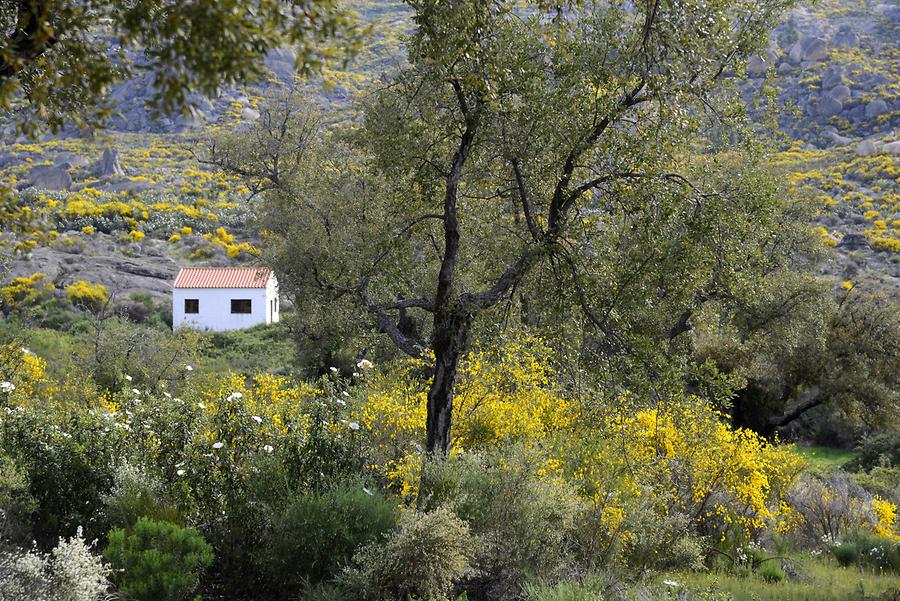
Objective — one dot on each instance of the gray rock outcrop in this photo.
(49, 177)
(808, 50)
(866, 148)
(854, 242)
(875, 108)
(249, 114)
(838, 139)
(828, 106)
(845, 36)
(108, 165)
(841, 93)
(69, 158)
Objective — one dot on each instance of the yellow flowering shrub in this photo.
(221, 239)
(23, 375)
(886, 244)
(22, 291)
(87, 293)
(680, 459)
(684, 456)
(277, 402)
(885, 518)
(503, 395)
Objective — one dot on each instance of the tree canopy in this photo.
(59, 58)
(537, 161)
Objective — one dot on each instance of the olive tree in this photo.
(541, 157)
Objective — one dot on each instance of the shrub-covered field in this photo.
(268, 488)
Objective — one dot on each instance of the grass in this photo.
(825, 458)
(823, 580)
(263, 348)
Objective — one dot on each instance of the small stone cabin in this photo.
(224, 298)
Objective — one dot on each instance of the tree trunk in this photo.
(449, 341)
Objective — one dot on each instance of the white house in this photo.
(224, 298)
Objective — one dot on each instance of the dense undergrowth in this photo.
(269, 488)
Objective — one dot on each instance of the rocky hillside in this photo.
(126, 205)
(837, 64)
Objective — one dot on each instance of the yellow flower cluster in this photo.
(21, 291)
(221, 238)
(705, 467)
(87, 293)
(503, 395)
(278, 402)
(823, 235)
(24, 375)
(885, 518)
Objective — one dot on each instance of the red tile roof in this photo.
(222, 277)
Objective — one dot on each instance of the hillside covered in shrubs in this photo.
(583, 301)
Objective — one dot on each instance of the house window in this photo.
(192, 305)
(241, 305)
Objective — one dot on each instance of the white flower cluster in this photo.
(69, 573)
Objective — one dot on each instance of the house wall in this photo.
(215, 308)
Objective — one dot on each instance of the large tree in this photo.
(541, 157)
(58, 58)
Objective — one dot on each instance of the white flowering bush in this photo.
(70, 572)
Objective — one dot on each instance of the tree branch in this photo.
(526, 203)
(557, 209)
(507, 280)
(812, 398)
(414, 347)
(451, 221)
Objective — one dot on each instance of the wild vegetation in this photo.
(574, 309)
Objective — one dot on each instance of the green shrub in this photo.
(588, 589)
(318, 532)
(135, 493)
(881, 481)
(69, 461)
(325, 592)
(865, 549)
(659, 541)
(423, 559)
(16, 503)
(771, 571)
(521, 519)
(846, 554)
(157, 561)
(876, 451)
